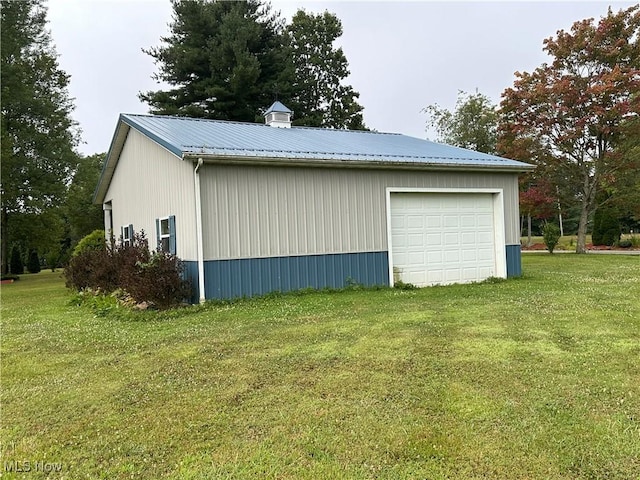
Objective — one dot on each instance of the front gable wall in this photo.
(149, 182)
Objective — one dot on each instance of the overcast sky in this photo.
(403, 56)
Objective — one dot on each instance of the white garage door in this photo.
(441, 238)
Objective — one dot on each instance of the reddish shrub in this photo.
(151, 277)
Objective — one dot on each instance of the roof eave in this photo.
(125, 123)
(111, 160)
(315, 162)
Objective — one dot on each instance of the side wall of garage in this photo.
(317, 227)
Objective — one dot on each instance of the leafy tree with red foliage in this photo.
(572, 110)
(537, 201)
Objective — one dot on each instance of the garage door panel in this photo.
(415, 240)
(399, 241)
(485, 238)
(434, 239)
(469, 274)
(397, 221)
(485, 255)
(485, 220)
(451, 257)
(440, 238)
(452, 276)
(415, 258)
(468, 238)
(434, 221)
(415, 221)
(468, 221)
(469, 255)
(451, 221)
(451, 238)
(435, 258)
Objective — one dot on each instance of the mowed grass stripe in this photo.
(536, 377)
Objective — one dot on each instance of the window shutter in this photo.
(158, 242)
(131, 232)
(172, 234)
(121, 234)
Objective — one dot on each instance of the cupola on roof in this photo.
(278, 115)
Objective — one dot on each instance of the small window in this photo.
(166, 234)
(127, 234)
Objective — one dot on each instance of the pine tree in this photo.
(230, 60)
(17, 267)
(34, 262)
(224, 61)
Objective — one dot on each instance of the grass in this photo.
(531, 378)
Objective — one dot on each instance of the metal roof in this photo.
(192, 137)
(217, 140)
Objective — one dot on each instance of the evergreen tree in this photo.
(229, 60)
(224, 60)
(319, 97)
(34, 262)
(606, 222)
(17, 267)
(37, 132)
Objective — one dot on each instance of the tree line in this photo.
(576, 118)
(223, 60)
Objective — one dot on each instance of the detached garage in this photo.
(252, 208)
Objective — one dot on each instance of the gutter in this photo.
(199, 241)
(365, 164)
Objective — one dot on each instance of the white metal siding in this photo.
(251, 212)
(151, 183)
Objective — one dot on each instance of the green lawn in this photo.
(531, 378)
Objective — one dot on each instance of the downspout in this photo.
(200, 244)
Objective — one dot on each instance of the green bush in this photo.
(627, 243)
(606, 227)
(16, 266)
(94, 241)
(153, 278)
(551, 236)
(34, 262)
(53, 257)
(400, 285)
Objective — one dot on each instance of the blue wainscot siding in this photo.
(191, 275)
(248, 277)
(514, 261)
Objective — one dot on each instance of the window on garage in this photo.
(166, 234)
(126, 233)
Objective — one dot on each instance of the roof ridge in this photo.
(237, 122)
